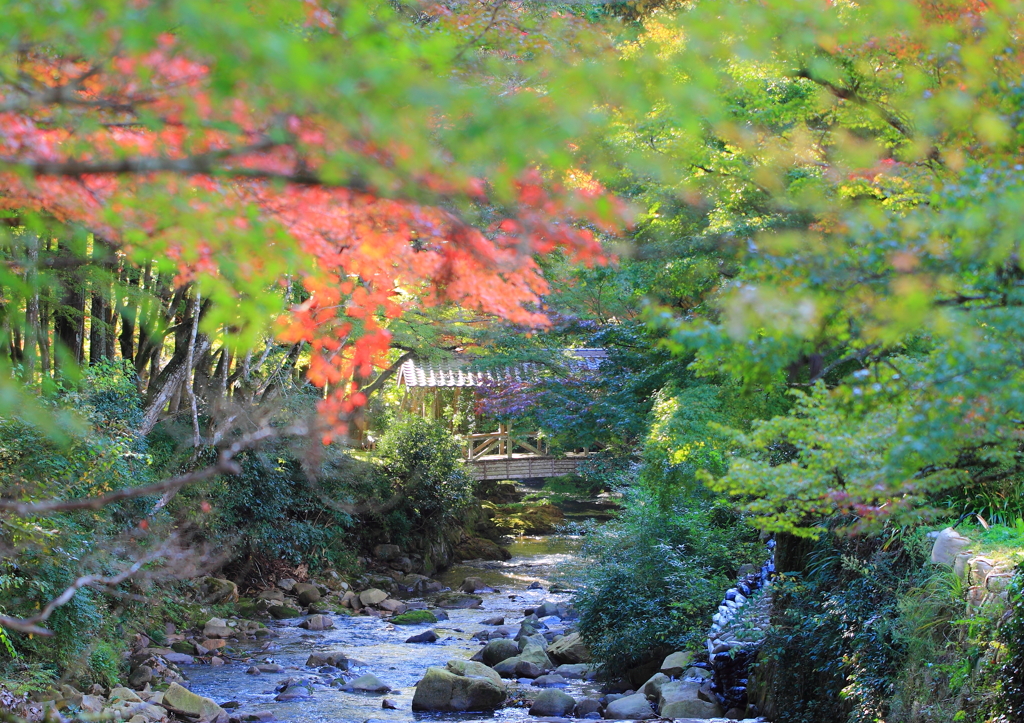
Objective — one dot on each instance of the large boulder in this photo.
(477, 548)
(675, 664)
(474, 669)
(652, 688)
(446, 690)
(372, 596)
(535, 654)
(683, 699)
(691, 709)
(184, 702)
(630, 707)
(215, 590)
(507, 668)
(569, 649)
(498, 650)
(553, 703)
(306, 593)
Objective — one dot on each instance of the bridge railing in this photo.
(504, 443)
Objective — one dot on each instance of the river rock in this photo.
(475, 584)
(125, 695)
(547, 681)
(269, 668)
(217, 628)
(337, 660)
(275, 595)
(140, 676)
(498, 620)
(306, 593)
(430, 636)
(286, 584)
(92, 703)
(215, 591)
(213, 644)
(474, 669)
(498, 650)
(368, 683)
(393, 606)
(478, 548)
(574, 671)
(283, 612)
(526, 669)
(535, 654)
(295, 691)
(317, 623)
(652, 688)
(553, 702)
(630, 707)
(691, 709)
(448, 690)
(372, 596)
(586, 706)
(545, 609)
(676, 663)
(179, 658)
(685, 699)
(569, 649)
(458, 601)
(184, 702)
(507, 667)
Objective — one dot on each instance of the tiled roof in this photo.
(458, 372)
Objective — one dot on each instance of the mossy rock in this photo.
(414, 617)
(281, 612)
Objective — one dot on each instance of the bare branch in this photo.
(32, 625)
(225, 464)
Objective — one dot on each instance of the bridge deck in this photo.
(523, 466)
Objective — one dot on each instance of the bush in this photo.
(1012, 684)
(426, 482)
(653, 577)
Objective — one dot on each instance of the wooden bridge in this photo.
(434, 389)
(504, 455)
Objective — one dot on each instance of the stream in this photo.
(380, 647)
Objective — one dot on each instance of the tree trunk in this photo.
(69, 316)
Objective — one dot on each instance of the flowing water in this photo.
(380, 648)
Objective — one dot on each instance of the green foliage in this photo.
(106, 662)
(426, 485)
(654, 576)
(1012, 673)
(835, 645)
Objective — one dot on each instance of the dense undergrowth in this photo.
(277, 512)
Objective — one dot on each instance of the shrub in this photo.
(654, 576)
(1012, 693)
(428, 485)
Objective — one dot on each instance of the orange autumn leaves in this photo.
(138, 151)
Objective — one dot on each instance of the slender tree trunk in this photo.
(69, 316)
(33, 328)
